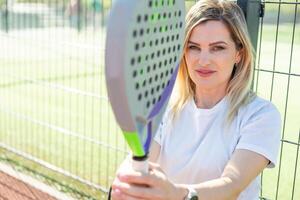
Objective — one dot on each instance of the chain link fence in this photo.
(277, 78)
(56, 121)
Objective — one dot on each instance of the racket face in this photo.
(143, 48)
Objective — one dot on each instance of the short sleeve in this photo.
(260, 132)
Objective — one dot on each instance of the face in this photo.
(210, 55)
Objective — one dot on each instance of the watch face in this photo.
(194, 198)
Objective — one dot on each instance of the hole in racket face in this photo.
(156, 47)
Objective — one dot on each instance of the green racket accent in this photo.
(134, 143)
(154, 17)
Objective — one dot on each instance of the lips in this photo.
(205, 72)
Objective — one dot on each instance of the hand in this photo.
(130, 185)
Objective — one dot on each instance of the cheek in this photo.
(226, 68)
(189, 63)
(189, 59)
(226, 62)
(226, 73)
(190, 71)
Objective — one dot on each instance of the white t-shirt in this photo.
(196, 146)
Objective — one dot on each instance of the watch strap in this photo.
(192, 194)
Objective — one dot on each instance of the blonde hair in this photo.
(238, 91)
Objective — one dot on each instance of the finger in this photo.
(126, 167)
(139, 179)
(115, 182)
(130, 173)
(154, 166)
(123, 196)
(116, 194)
(136, 191)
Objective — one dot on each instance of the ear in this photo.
(238, 56)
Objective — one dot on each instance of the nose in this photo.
(204, 58)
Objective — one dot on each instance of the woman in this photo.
(217, 136)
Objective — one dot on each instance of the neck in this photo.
(207, 99)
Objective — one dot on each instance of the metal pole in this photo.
(6, 16)
(79, 10)
(253, 11)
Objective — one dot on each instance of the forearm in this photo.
(217, 189)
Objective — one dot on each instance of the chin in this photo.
(205, 86)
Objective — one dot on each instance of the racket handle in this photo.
(140, 165)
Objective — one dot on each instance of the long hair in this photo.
(238, 90)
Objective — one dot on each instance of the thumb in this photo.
(154, 166)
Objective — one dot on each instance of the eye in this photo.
(218, 48)
(193, 47)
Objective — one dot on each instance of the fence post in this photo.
(6, 24)
(79, 12)
(253, 10)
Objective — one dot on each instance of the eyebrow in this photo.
(211, 44)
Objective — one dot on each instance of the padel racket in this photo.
(144, 43)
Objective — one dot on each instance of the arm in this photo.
(243, 167)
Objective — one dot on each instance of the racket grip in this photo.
(140, 165)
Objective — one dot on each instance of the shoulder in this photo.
(259, 129)
(259, 104)
(259, 108)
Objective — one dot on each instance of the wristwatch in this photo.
(192, 194)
